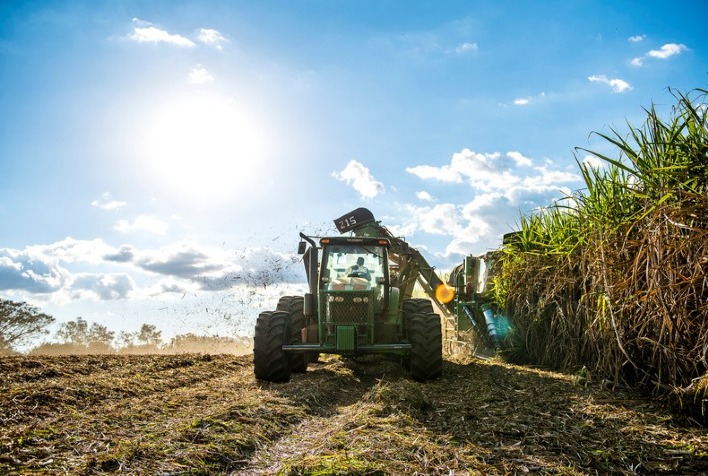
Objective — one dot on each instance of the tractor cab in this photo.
(353, 291)
(349, 265)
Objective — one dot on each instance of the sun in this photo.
(204, 146)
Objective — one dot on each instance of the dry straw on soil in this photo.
(207, 415)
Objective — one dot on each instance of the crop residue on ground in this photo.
(204, 414)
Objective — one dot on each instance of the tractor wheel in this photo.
(425, 335)
(270, 361)
(417, 306)
(414, 306)
(293, 305)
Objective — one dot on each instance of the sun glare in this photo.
(204, 147)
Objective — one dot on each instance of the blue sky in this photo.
(158, 159)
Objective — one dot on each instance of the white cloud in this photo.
(408, 227)
(212, 37)
(70, 250)
(170, 286)
(489, 172)
(525, 101)
(669, 49)
(73, 270)
(359, 177)
(482, 171)
(443, 174)
(424, 196)
(593, 161)
(519, 159)
(481, 202)
(617, 85)
(142, 223)
(124, 254)
(184, 260)
(502, 186)
(215, 269)
(200, 75)
(466, 47)
(469, 238)
(666, 51)
(105, 202)
(545, 180)
(104, 287)
(137, 22)
(439, 220)
(466, 228)
(636, 38)
(144, 32)
(28, 271)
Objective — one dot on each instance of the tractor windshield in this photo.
(353, 266)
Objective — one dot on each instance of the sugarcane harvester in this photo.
(360, 301)
(356, 305)
(469, 321)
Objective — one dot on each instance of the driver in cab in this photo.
(359, 270)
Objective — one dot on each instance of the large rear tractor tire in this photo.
(270, 361)
(293, 305)
(425, 335)
(417, 306)
(410, 307)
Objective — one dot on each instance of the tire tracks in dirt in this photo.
(336, 392)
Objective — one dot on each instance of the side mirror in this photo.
(301, 247)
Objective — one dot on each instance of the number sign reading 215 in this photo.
(353, 219)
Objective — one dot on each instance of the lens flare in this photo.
(444, 293)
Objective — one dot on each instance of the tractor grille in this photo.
(347, 307)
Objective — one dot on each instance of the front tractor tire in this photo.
(270, 361)
(293, 305)
(425, 336)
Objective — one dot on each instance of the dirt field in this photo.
(202, 415)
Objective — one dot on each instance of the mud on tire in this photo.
(270, 361)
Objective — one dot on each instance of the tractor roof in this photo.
(354, 241)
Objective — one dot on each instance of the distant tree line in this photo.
(21, 323)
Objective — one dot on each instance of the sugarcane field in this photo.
(353, 238)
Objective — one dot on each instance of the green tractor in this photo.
(354, 307)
